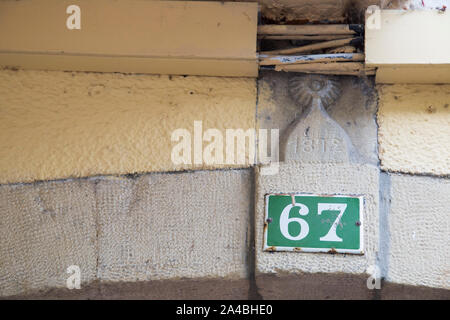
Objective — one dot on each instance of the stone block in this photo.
(414, 128)
(354, 110)
(419, 229)
(45, 228)
(172, 226)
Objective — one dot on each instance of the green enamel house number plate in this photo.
(314, 223)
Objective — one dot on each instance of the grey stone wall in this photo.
(198, 235)
(152, 227)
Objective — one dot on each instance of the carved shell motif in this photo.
(304, 89)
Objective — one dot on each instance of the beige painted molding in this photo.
(136, 36)
(408, 46)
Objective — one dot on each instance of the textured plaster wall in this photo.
(124, 229)
(414, 128)
(65, 124)
(419, 228)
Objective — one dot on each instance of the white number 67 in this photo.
(304, 227)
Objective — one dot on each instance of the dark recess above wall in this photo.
(314, 11)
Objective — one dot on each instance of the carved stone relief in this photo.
(315, 136)
(280, 106)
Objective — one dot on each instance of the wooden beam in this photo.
(313, 47)
(342, 29)
(302, 37)
(306, 59)
(351, 68)
(358, 73)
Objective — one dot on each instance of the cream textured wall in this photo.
(158, 226)
(414, 128)
(65, 124)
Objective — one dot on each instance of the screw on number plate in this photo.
(269, 220)
(358, 223)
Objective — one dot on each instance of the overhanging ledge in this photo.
(408, 46)
(131, 36)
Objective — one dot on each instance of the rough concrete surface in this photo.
(419, 229)
(414, 128)
(318, 178)
(172, 226)
(165, 226)
(45, 228)
(57, 125)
